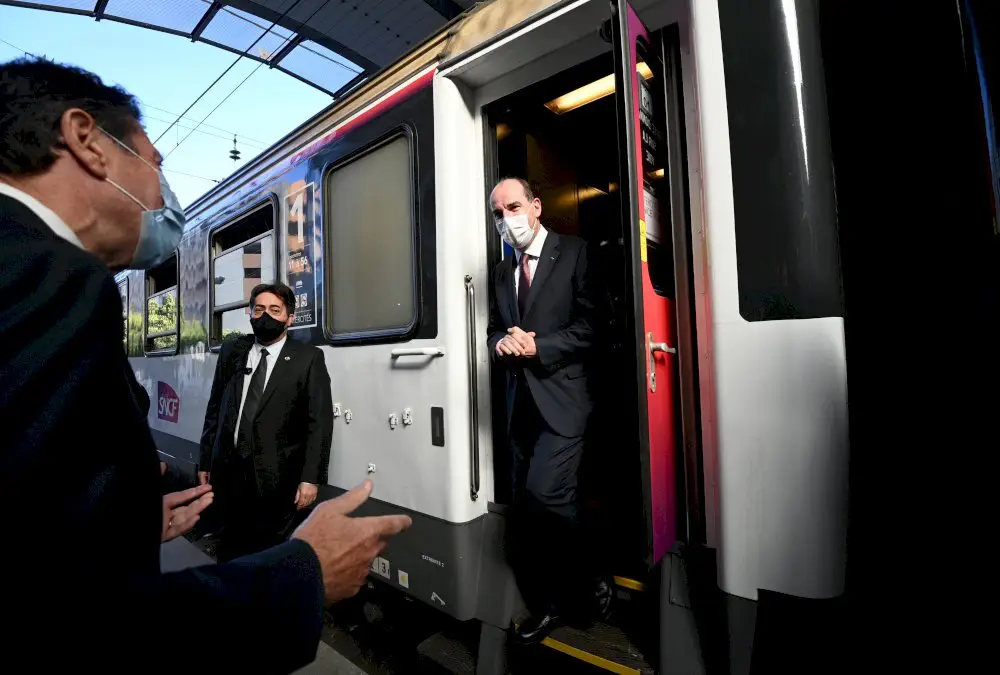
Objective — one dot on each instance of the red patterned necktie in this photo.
(523, 284)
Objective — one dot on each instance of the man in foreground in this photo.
(81, 194)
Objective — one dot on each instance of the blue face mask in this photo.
(161, 229)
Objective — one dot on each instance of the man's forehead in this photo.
(507, 192)
(268, 299)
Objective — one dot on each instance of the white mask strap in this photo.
(129, 195)
(128, 149)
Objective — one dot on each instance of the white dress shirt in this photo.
(533, 252)
(47, 215)
(253, 358)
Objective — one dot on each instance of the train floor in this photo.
(389, 634)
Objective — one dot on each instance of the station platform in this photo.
(180, 554)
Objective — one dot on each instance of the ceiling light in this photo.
(589, 93)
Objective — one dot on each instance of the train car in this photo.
(687, 142)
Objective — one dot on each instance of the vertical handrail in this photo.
(470, 297)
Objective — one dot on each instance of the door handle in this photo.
(653, 348)
(661, 347)
(417, 351)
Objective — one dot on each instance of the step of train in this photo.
(623, 642)
(620, 644)
(604, 646)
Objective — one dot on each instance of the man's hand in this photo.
(305, 495)
(204, 477)
(346, 546)
(517, 343)
(525, 341)
(181, 510)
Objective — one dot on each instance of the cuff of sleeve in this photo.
(546, 353)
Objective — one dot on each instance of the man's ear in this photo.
(80, 136)
(291, 318)
(537, 203)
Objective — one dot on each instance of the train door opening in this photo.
(564, 136)
(566, 148)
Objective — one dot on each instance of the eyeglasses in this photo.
(273, 310)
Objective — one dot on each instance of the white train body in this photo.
(412, 389)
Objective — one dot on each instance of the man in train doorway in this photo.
(542, 329)
(268, 428)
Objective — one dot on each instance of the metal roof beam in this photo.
(284, 51)
(305, 31)
(206, 19)
(449, 9)
(354, 82)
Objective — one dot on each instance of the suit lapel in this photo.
(282, 371)
(546, 261)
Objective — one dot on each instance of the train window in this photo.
(162, 312)
(370, 234)
(123, 291)
(243, 255)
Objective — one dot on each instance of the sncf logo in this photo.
(169, 405)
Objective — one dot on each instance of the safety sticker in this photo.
(404, 578)
(380, 566)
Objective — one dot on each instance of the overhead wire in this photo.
(252, 142)
(226, 71)
(191, 175)
(23, 51)
(229, 133)
(229, 137)
(236, 88)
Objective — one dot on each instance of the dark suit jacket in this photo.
(293, 428)
(79, 487)
(560, 309)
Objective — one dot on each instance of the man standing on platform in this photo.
(268, 427)
(542, 329)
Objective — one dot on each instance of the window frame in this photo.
(269, 199)
(146, 337)
(381, 335)
(124, 284)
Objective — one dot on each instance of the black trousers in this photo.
(545, 539)
(250, 521)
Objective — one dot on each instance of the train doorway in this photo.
(562, 135)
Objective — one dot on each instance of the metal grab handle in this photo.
(470, 297)
(417, 351)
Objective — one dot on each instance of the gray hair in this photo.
(528, 192)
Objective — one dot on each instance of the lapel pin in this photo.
(288, 358)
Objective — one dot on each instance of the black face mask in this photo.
(267, 328)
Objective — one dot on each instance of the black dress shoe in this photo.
(604, 597)
(536, 628)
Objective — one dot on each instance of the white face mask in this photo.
(516, 231)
